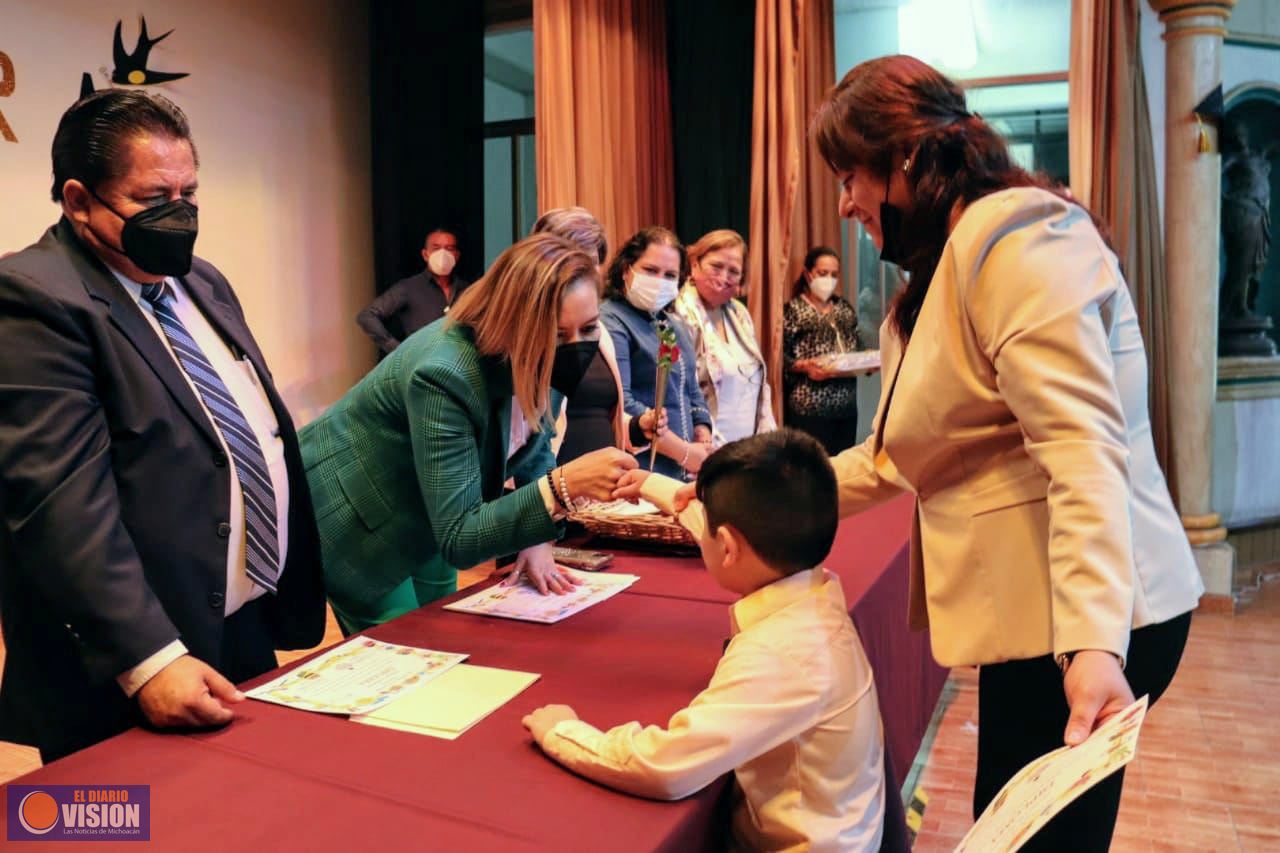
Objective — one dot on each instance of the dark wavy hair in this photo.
(90, 144)
(614, 287)
(812, 257)
(894, 108)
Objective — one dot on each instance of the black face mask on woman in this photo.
(570, 365)
(159, 240)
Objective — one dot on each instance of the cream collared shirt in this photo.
(243, 383)
(791, 709)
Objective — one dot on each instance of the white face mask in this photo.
(651, 293)
(441, 261)
(822, 286)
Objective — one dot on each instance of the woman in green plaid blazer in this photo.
(407, 469)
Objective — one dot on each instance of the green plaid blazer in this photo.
(407, 470)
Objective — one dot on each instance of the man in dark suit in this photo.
(157, 540)
(419, 300)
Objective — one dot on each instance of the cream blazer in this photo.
(1018, 417)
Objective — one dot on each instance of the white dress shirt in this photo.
(792, 709)
(245, 387)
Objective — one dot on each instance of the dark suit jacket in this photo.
(114, 496)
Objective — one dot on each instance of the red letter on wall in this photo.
(6, 89)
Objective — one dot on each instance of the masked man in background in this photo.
(418, 300)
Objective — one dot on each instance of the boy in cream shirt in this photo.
(792, 707)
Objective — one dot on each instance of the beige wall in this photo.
(278, 102)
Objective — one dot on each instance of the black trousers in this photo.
(1023, 712)
(248, 644)
(834, 434)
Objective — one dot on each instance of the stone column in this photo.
(1193, 68)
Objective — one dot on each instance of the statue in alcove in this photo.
(1246, 243)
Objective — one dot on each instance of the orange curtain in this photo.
(1113, 172)
(793, 197)
(604, 112)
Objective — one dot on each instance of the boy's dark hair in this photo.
(89, 144)
(778, 490)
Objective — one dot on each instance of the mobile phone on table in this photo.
(577, 558)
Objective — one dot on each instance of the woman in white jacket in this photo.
(1046, 548)
(731, 370)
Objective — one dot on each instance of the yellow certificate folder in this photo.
(451, 703)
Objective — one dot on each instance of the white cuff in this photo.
(131, 680)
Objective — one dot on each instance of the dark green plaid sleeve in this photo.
(467, 529)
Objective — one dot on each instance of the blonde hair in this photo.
(577, 225)
(514, 312)
(714, 241)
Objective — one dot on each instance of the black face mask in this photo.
(570, 365)
(893, 249)
(159, 240)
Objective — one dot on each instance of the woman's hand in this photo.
(702, 434)
(629, 486)
(648, 426)
(696, 453)
(539, 565)
(595, 475)
(1096, 689)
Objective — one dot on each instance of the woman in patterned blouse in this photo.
(817, 322)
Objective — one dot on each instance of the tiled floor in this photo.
(1207, 776)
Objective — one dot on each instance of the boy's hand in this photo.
(544, 719)
(629, 484)
(686, 495)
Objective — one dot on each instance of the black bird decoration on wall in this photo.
(131, 68)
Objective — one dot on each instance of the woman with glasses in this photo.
(818, 322)
(731, 371)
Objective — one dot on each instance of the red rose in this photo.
(675, 354)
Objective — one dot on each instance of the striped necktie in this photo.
(262, 549)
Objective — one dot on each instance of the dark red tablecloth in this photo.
(280, 779)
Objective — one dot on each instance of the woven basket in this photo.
(654, 528)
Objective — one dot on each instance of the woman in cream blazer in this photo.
(1046, 548)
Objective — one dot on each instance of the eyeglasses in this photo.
(721, 269)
